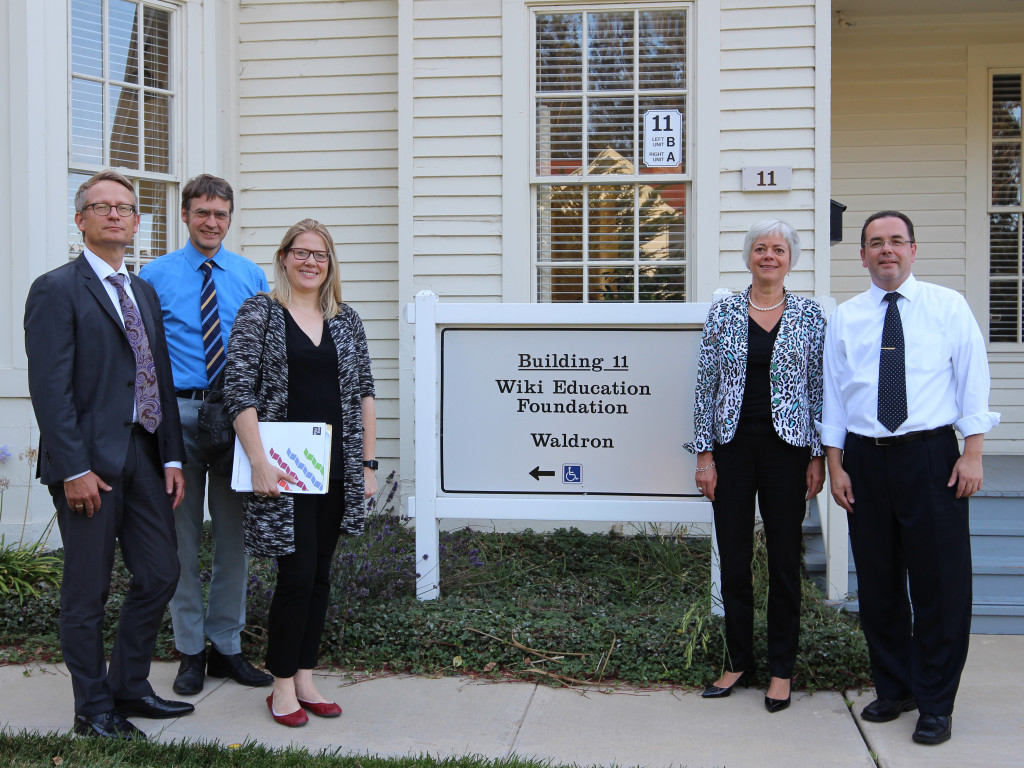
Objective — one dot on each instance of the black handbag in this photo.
(215, 434)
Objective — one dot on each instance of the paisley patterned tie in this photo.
(147, 394)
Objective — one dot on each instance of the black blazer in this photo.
(81, 374)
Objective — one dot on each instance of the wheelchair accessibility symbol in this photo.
(572, 473)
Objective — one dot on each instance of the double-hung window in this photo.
(122, 96)
(611, 127)
(1005, 209)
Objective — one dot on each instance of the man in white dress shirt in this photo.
(905, 364)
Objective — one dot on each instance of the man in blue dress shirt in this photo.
(201, 287)
(905, 365)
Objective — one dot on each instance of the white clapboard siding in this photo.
(318, 137)
(899, 140)
(457, 149)
(766, 118)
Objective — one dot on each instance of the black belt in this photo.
(909, 437)
(192, 394)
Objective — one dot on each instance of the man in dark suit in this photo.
(110, 451)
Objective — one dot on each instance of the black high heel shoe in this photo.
(777, 705)
(718, 692)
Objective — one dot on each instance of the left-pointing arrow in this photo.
(538, 473)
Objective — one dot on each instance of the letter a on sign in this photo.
(663, 137)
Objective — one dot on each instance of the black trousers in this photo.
(907, 524)
(758, 463)
(299, 606)
(137, 514)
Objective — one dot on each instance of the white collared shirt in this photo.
(946, 364)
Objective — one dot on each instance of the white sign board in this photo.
(663, 138)
(596, 411)
(767, 178)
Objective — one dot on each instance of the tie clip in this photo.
(893, 348)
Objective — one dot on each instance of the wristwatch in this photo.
(371, 464)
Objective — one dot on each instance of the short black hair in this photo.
(887, 215)
(206, 185)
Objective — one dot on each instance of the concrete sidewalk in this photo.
(397, 716)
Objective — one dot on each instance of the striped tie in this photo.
(213, 342)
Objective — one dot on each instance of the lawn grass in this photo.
(24, 750)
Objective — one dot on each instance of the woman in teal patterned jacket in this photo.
(759, 390)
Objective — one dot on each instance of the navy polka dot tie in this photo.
(892, 372)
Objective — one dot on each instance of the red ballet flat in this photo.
(322, 708)
(292, 719)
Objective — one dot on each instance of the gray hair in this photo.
(772, 227)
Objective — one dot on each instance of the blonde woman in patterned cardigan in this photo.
(759, 389)
(299, 354)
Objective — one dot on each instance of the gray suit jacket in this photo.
(81, 374)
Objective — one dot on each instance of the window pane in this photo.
(559, 52)
(617, 240)
(1004, 244)
(610, 223)
(124, 127)
(610, 124)
(560, 223)
(75, 245)
(87, 37)
(559, 136)
(86, 122)
(610, 50)
(123, 43)
(1006, 105)
(611, 284)
(560, 284)
(666, 102)
(1006, 173)
(151, 240)
(155, 53)
(157, 139)
(666, 283)
(663, 222)
(663, 49)
(1004, 317)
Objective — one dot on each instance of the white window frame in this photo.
(176, 82)
(519, 273)
(982, 62)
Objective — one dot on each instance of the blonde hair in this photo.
(330, 290)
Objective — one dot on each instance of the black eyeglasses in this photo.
(301, 254)
(102, 209)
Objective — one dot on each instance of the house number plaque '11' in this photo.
(767, 178)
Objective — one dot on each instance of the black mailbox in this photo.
(836, 222)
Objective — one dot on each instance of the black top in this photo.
(757, 393)
(313, 393)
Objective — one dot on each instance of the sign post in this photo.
(553, 412)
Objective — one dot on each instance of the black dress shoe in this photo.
(776, 705)
(884, 710)
(107, 725)
(153, 707)
(718, 692)
(191, 674)
(237, 668)
(933, 729)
